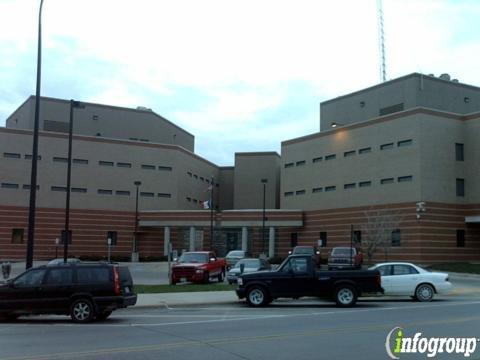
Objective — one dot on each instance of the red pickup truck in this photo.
(198, 267)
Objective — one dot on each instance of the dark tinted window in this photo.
(93, 275)
(385, 270)
(459, 152)
(59, 276)
(404, 270)
(460, 187)
(31, 278)
(396, 237)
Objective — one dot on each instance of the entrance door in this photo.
(232, 241)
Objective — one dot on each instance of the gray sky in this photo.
(241, 76)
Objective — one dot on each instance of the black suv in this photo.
(85, 291)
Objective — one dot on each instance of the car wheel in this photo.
(424, 292)
(103, 315)
(82, 311)
(221, 276)
(345, 296)
(257, 296)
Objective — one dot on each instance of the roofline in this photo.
(402, 78)
(397, 115)
(257, 153)
(47, 98)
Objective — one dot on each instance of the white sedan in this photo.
(399, 278)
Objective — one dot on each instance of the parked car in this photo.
(245, 266)
(307, 250)
(85, 291)
(298, 276)
(233, 257)
(345, 258)
(198, 267)
(406, 279)
(59, 261)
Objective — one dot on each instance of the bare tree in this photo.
(377, 230)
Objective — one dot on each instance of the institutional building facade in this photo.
(394, 166)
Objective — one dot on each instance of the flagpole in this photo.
(211, 212)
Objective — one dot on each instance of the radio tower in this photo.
(381, 41)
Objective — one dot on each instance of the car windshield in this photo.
(235, 253)
(303, 251)
(343, 251)
(193, 258)
(252, 263)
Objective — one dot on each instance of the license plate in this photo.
(183, 279)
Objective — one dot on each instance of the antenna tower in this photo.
(381, 41)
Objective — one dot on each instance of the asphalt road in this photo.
(288, 329)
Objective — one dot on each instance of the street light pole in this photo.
(135, 244)
(264, 182)
(33, 178)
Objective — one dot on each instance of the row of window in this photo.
(348, 186)
(78, 161)
(201, 178)
(18, 236)
(84, 190)
(350, 153)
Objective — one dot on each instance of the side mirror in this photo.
(290, 252)
(242, 268)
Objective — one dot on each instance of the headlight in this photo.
(199, 271)
(240, 281)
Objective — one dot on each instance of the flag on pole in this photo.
(206, 204)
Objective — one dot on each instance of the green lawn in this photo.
(156, 289)
(457, 267)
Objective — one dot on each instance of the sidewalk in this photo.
(188, 298)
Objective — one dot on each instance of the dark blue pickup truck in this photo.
(297, 277)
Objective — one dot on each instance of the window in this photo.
(405, 178)
(195, 201)
(93, 275)
(297, 265)
(112, 235)
(460, 238)
(189, 173)
(357, 236)
(27, 187)
(58, 188)
(365, 150)
(195, 176)
(17, 236)
(189, 199)
(404, 270)
(386, 146)
(405, 143)
(459, 152)
(94, 117)
(288, 193)
(9, 186)
(29, 157)
(301, 163)
(300, 192)
(80, 161)
(385, 270)
(289, 165)
(317, 190)
(59, 277)
(31, 278)
(124, 165)
(148, 167)
(391, 109)
(60, 159)
(105, 163)
(349, 153)
(330, 157)
(349, 186)
(78, 190)
(11, 155)
(144, 140)
(386, 181)
(460, 187)
(396, 237)
(104, 192)
(330, 188)
(122, 193)
(164, 195)
(323, 238)
(317, 159)
(57, 126)
(165, 168)
(201, 178)
(293, 239)
(147, 194)
(364, 183)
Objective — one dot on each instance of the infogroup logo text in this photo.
(396, 344)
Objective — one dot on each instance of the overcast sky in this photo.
(239, 75)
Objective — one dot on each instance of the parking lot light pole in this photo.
(264, 182)
(135, 244)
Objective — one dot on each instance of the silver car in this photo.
(233, 256)
(248, 266)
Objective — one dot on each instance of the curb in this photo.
(180, 304)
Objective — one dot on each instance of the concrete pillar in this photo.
(244, 238)
(166, 239)
(271, 242)
(192, 238)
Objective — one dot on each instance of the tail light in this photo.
(116, 280)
